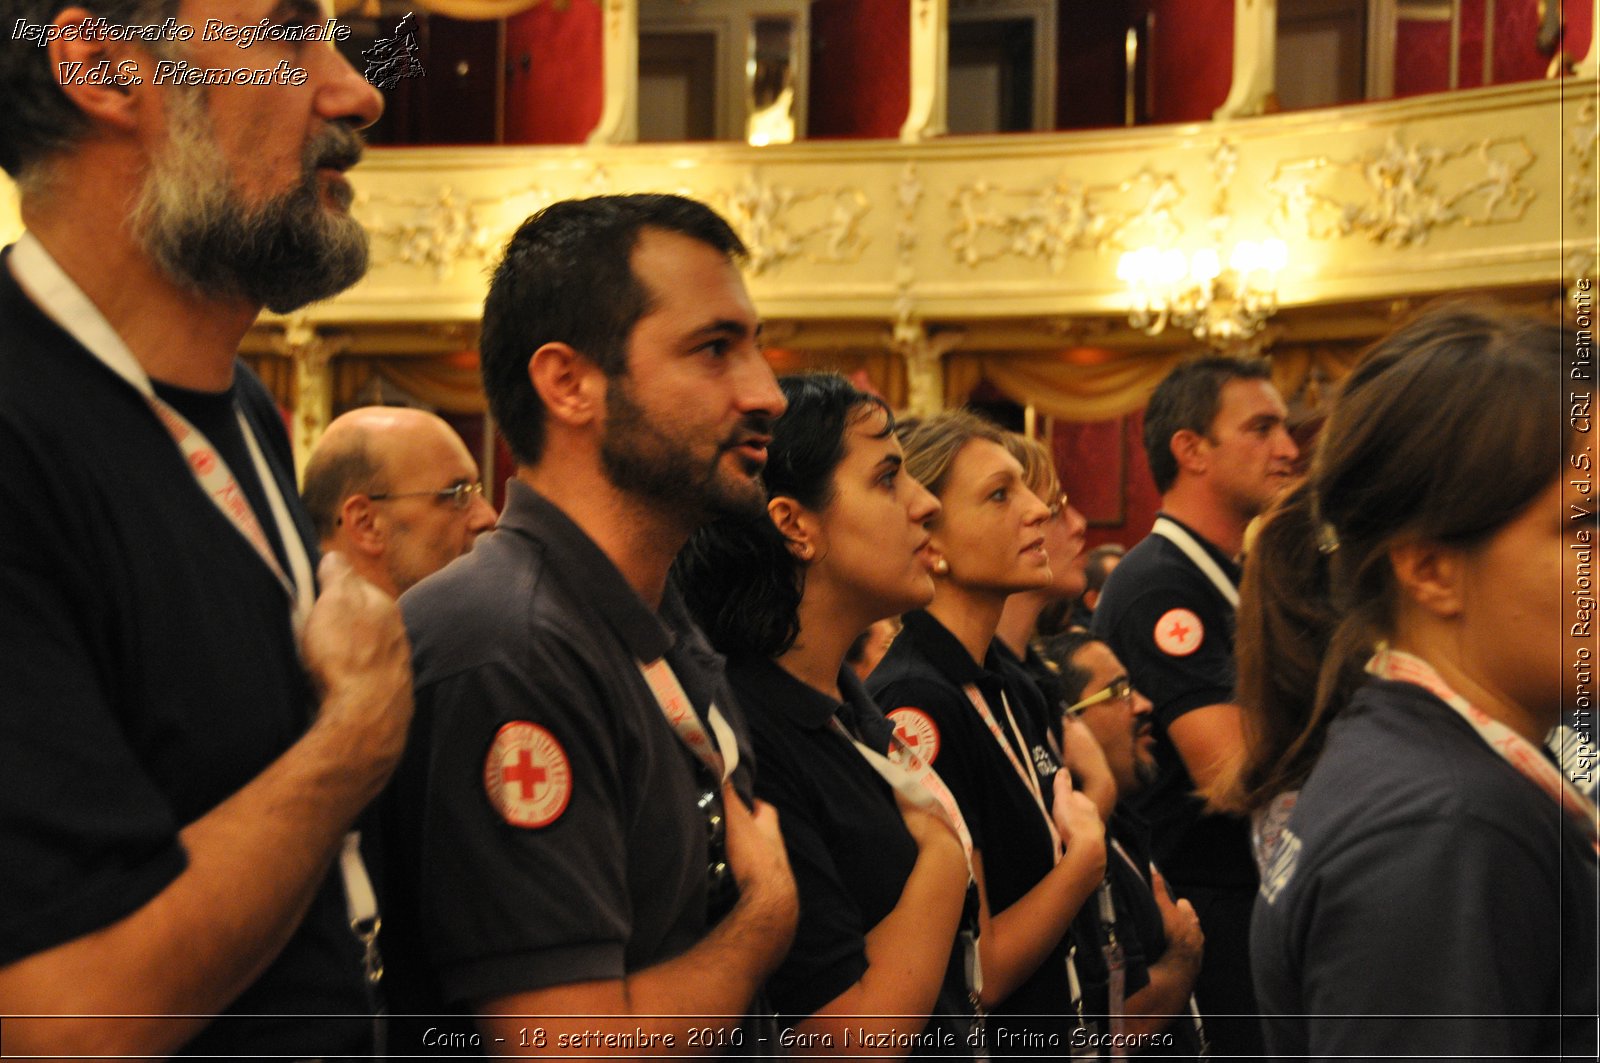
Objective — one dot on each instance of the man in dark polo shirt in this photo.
(1219, 451)
(186, 737)
(571, 857)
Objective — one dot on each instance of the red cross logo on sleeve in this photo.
(1179, 633)
(527, 776)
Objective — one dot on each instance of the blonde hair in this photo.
(1038, 466)
(931, 444)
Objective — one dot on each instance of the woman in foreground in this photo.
(880, 865)
(1428, 877)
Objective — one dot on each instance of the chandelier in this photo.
(1221, 295)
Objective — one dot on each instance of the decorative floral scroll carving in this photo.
(1398, 194)
(1066, 216)
(446, 229)
(778, 223)
(1580, 172)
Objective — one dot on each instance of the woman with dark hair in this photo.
(878, 861)
(1428, 876)
(1036, 860)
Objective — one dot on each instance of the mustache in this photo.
(336, 146)
(753, 427)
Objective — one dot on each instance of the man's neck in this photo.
(633, 533)
(971, 616)
(176, 336)
(1217, 523)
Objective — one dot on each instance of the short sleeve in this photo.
(508, 907)
(955, 759)
(87, 835)
(829, 953)
(1177, 647)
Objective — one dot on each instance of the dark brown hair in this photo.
(1446, 431)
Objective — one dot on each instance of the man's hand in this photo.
(1185, 941)
(760, 863)
(1076, 817)
(1083, 756)
(356, 649)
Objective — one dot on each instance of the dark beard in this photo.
(641, 459)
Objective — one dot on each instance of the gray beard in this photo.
(287, 252)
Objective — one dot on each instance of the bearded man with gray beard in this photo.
(190, 729)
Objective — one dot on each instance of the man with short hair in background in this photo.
(1219, 450)
(189, 731)
(394, 490)
(571, 835)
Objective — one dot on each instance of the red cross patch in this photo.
(527, 775)
(1179, 633)
(917, 730)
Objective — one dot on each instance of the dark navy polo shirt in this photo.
(536, 625)
(925, 669)
(1154, 579)
(1428, 899)
(848, 844)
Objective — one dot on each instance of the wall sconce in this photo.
(1219, 298)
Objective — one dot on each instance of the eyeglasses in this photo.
(460, 495)
(1059, 506)
(1118, 688)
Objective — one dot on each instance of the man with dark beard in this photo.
(190, 731)
(572, 835)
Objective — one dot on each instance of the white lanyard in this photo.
(65, 302)
(721, 755)
(1031, 781)
(1179, 536)
(1513, 748)
(916, 780)
(1194, 1008)
(1024, 771)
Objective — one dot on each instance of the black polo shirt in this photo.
(1173, 631)
(605, 870)
(848, 845)
(925, 670)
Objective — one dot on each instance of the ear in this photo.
(362, 529)
(572, 388)
(1429, 575)
(95, 74)
(799, 526)
(1189, 450)
(1091, 598)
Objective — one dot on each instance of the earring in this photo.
(941, 567)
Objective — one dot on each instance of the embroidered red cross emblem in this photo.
(524, 774)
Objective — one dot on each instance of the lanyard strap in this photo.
(720, 755)
(1194, 1007)
(1513, 748)
(1024, 771)
(916, 780)
(1179, 536)
(65, 302)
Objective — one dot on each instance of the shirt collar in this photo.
(809, 708)
(587, 574)
(945, 652)
(1230, 565)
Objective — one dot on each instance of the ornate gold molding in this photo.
(1398, 194)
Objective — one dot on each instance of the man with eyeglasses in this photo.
(577, 866)
(1219, 449)
(1156, 940)
(394, 490)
